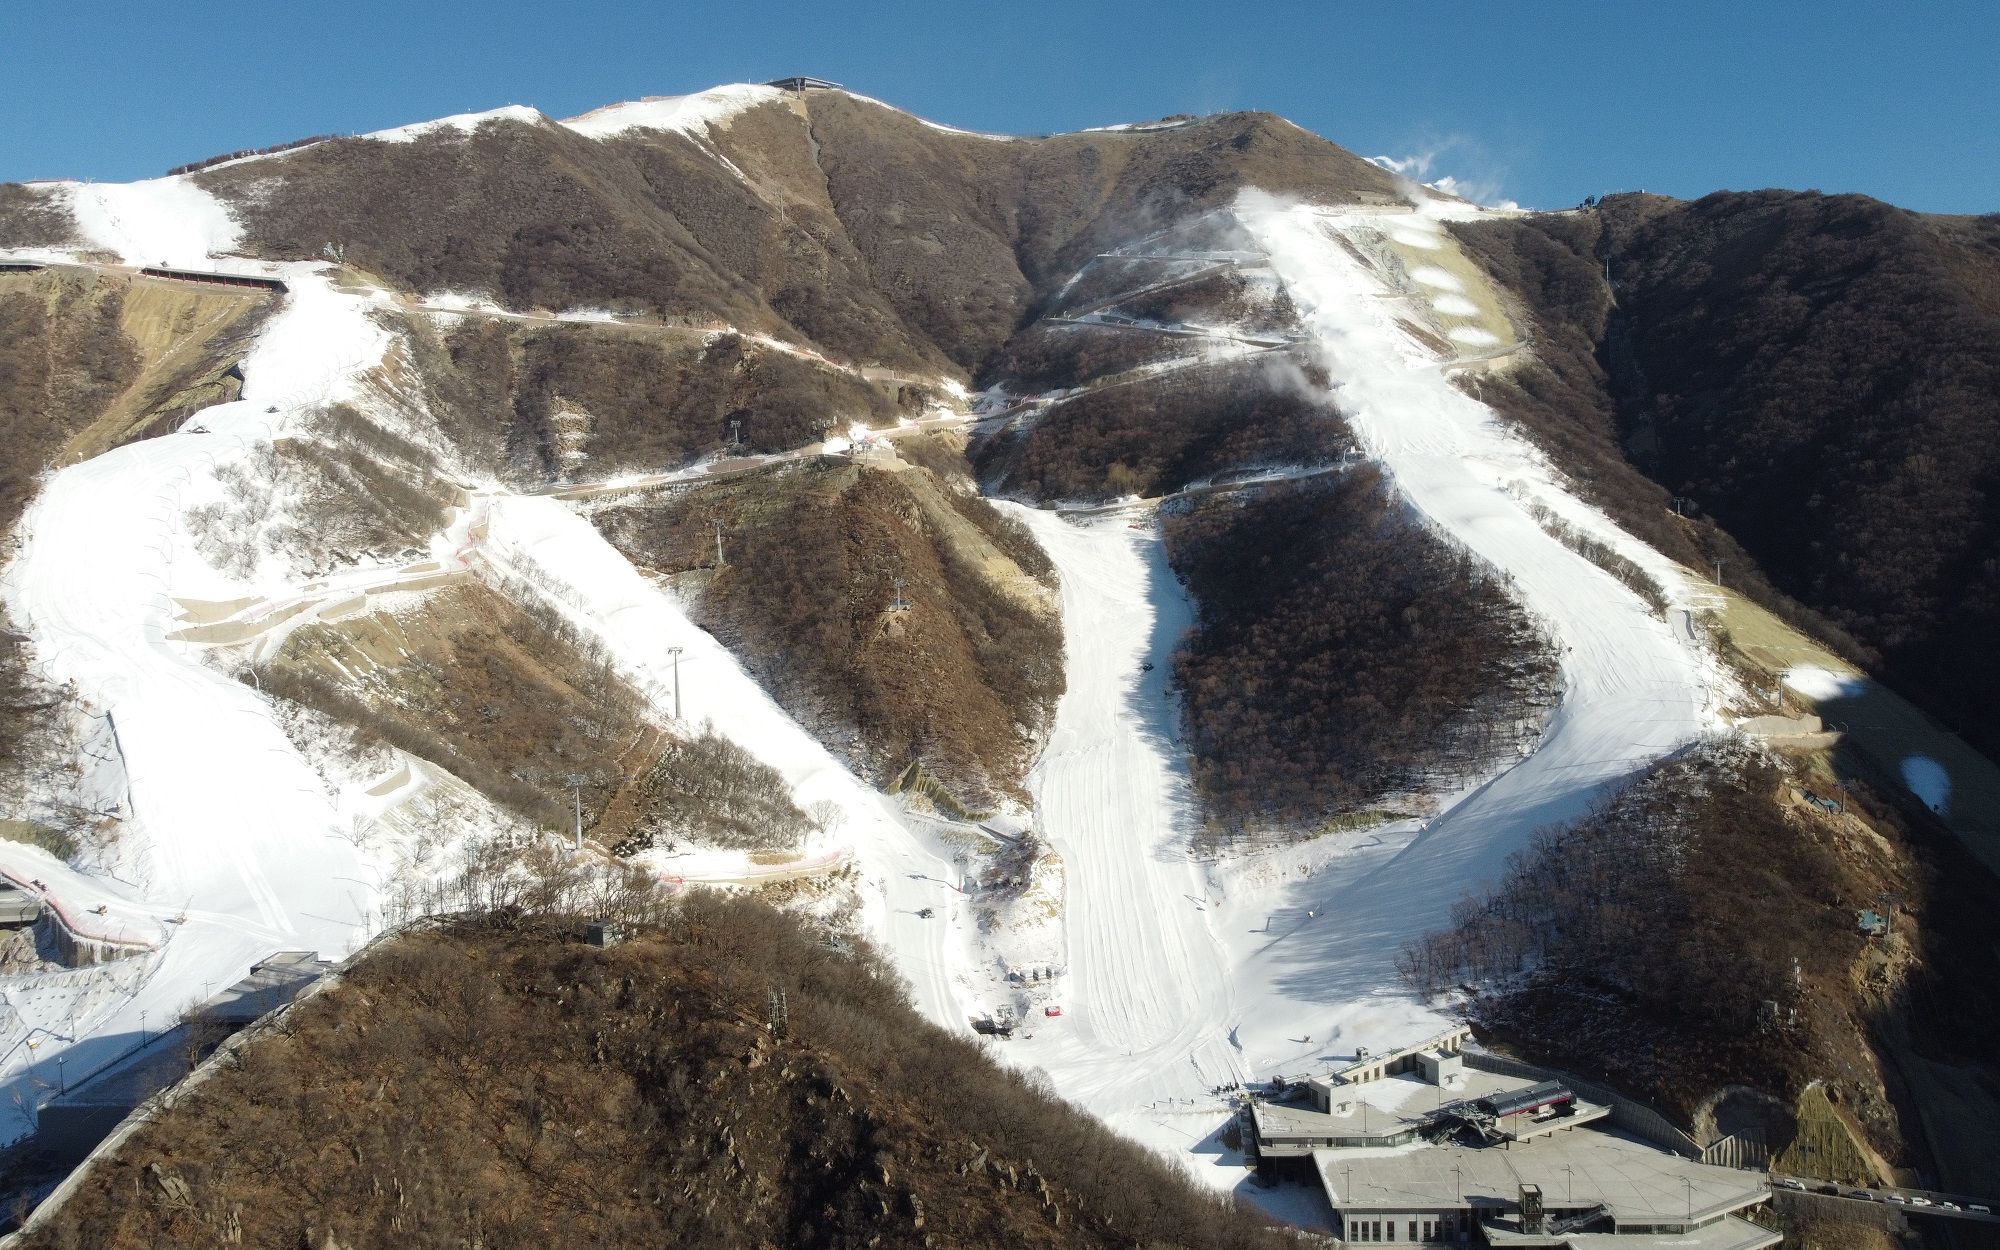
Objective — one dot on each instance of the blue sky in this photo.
(1543, 103)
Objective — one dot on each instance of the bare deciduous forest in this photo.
(63, 360)
(1697, 930)
(963, 679)
(1818, 377)
(1153, 437)
(1341, 652)
(497, 1082)
(501, 691)
(707, 789)
(593, 401)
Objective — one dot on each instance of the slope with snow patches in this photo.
(233, 845)
(1181, 977)
(543, 542)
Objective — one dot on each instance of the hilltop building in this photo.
(801, 83)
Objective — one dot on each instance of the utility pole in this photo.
(735, 432)
(579, 818)
(1718, 573)
(719, 561)
(676, 653)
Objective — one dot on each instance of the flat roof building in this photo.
(1576, 1190)
(1415, 1148)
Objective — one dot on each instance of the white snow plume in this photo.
(1424, 168)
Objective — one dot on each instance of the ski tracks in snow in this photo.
(1148, 996)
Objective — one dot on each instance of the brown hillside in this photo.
(89, 361)
(1152, 436)
(852, 226)
(963, 681)
(1819, 376)
(1698, 931)
(584, 402)
(28, 219)
(507, 1086)
(503, 694)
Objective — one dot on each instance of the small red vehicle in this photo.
(1052, 1010)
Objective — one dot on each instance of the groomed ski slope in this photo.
(1148, 994)
(1178, 975)
(1635, 689)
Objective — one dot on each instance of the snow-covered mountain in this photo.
(788, 492)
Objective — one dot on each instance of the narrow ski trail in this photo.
(1148, 994)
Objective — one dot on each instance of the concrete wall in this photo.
(70, 1133)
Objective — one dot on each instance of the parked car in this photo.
(1946, 1206)
(1979, 1208)
(1827, 1187)
(1918, 1200)
(1785, 1182)
(1862, 1194)
(1894, 1198)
